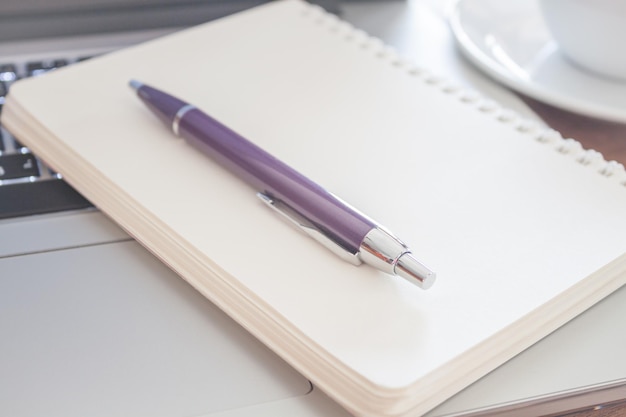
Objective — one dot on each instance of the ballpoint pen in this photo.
(319, 213)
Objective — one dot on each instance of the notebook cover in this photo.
(523, 231)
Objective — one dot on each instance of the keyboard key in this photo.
(17, 144)
(18, 165)
(39, 197)
(41, 67)
(8, 72)
(18, 195)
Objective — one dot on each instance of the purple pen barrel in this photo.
(277, 180)
(265, 173)
(316, 211)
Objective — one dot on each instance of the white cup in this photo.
(591, 33)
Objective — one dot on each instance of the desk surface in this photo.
(610, 410)
(402, 24)
(605, 137)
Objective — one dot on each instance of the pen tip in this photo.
(414, 271)
(135, 85)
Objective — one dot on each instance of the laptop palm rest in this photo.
(107, 330)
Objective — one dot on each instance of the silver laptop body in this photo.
(93, 325)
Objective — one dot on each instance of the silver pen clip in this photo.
(308, 227)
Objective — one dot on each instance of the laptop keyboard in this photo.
(27, 185)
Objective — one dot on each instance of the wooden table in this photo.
(609, 410)
(605, 137)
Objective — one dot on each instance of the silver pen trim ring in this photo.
(179, 115)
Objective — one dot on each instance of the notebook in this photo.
(365, 315)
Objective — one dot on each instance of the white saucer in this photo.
(510, 42)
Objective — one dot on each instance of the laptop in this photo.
(91, 324)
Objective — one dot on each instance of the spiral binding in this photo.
(566, 146)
